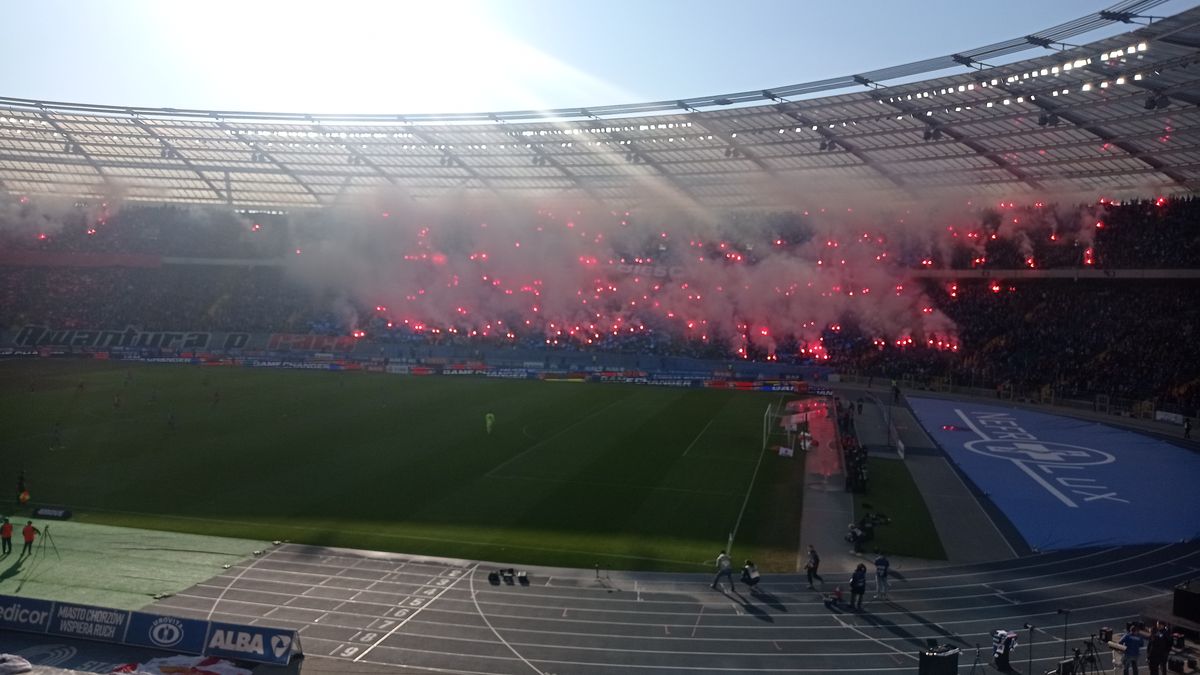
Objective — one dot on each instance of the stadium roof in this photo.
(1116, 116)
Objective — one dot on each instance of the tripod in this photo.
(46, 537)
(1087, 660)
(976, 662)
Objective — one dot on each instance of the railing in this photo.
(1047, 395)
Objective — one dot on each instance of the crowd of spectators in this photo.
(1158, 233)
(167, 298)
(1136, 339)
(1127, 338)
(172, 231)
(1146, 234)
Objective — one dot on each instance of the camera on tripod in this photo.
(1084, 660)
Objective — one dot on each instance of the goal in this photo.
(785, 429)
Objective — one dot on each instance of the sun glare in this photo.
(364, 57)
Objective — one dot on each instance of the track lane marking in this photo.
(471, 587)
(408, 617)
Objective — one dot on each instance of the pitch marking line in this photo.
(415, 612)
(547, 439)
(593, 483)
(749, 490)
(706, 426)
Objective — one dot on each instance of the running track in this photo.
(437, 615)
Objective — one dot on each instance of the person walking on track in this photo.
(882, 566)
(858, 586)
(724, 569)
(813, 564)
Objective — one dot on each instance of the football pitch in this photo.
(573, 474)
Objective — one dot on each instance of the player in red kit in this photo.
(5, 537)
(30, 533)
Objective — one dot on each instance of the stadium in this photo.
(501, 392)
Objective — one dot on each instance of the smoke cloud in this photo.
(506, 268)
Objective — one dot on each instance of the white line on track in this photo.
(687, 601)
(418, 610)
(699, 615)
(855, 629)
(1053, 640)
(997, 612)
(233, 581)
(471, 586)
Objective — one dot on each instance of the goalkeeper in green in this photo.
(490, 420)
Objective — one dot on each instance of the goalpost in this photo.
(783, 428)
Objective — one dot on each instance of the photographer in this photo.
(1133, 642)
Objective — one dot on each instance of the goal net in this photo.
(785, 428)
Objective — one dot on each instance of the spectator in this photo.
(858, 586)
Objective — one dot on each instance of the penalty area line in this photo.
(706, 426)
(547, 439)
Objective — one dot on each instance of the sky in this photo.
(376, 56)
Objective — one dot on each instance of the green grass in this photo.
(892, 491)
(573, 475)
(115, 566)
